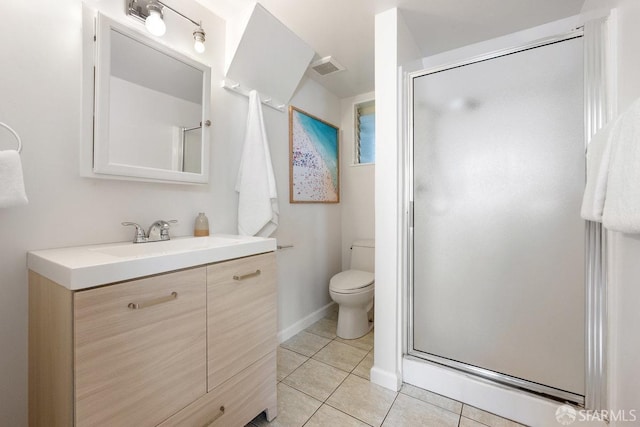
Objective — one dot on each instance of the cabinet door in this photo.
(140, 349)
(241, 298)
(237, 401)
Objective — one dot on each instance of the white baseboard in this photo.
(385, 379)
(304, 323)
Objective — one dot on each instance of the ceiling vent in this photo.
(326, 66)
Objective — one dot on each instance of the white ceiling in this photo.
(344, 29)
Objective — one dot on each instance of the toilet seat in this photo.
(351, 281)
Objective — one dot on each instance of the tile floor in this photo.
(323, 381)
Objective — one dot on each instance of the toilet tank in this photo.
(363, 255)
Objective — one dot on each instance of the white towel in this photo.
(598, 156)
(622, 204)
(258, 198)
(11, 180)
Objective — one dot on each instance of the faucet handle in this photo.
(164, 233)
(159, 230)
(140, 237)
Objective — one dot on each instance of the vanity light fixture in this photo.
(151, 12)
(198, 37)
(155, 22)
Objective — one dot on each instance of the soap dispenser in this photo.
(201, 228)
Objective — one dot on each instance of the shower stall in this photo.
(497, 265)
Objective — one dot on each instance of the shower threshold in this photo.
(519, 384)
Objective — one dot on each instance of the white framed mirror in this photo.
(151, 109)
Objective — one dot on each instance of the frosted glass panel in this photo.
(498, 239)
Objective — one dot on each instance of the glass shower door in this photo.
(498, 242)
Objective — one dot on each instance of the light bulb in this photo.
(198, 46)
(198, 36)
(154, 22)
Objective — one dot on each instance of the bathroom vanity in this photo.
(169, 333)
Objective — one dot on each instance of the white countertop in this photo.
(83, 267)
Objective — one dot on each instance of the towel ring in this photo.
(14, 134)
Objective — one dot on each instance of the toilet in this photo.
(353, 291)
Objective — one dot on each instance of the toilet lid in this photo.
(351, 281)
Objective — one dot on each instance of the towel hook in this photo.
(14, 134)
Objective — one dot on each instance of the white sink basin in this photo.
(87, 266)
(133, 250)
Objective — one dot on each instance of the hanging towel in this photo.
(598, 156)
(11, 180)
(622, 204)
(258, 198)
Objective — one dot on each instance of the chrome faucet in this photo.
(158, 231)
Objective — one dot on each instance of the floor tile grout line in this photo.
(476, 421)
(358, 364)
(336, 389)
(323, 402)
(313, 353)
(336, 367)
(296, 352)
(436, 405)
(390, 407)
(298, 367)
(305, 393)
(335, 338)
(351, 415)
(319, 361)
(351, 372)
(325, 363)
(340, 341)
(352, 369)
(326, 402)
(462, 404)
(311, 416)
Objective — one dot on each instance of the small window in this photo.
(365, 138)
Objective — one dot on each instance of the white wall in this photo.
(40, 87)
(394, 47)
(313, 229)
(356, 183)
(624, 266)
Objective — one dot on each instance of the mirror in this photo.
(151, 109)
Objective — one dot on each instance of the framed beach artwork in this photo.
(314, 175)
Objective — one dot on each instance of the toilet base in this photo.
(353, 322)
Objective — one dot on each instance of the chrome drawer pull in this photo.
(221, 413)
(246, 276)
(136, 306)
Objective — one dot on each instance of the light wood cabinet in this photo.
(241, 296)
(125, 355)
(237, 401)
(171, 349)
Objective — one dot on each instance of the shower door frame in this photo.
(597, 111)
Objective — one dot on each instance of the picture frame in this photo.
(314, 159)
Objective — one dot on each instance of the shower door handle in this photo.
(410, 214)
